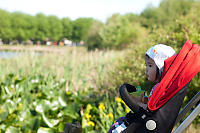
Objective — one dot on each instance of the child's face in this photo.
(151, 69)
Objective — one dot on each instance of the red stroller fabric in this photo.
(178, 71)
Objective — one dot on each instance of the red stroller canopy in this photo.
(178, 71)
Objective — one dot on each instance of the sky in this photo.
(97, 9)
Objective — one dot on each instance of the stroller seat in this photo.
(163, 107)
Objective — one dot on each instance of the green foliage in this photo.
(42, 27)
(35, 103)
(184, 28)
(94, 39)
(80, 29)
(67, 28)
(5, 26)
(152, 17)
(56, 28)
(119, 32)
(22, 26)
(131, 68)
(166, 13)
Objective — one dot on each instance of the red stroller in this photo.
(162, 111)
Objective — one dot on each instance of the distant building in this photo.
(1, 42)
(48, 43)
(67, 42)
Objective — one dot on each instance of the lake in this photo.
(8, 54)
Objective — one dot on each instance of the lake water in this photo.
(8, 54)
(12, 54)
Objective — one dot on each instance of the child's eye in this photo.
(150, 65)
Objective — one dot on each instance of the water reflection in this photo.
(13, 54)
(8, 54)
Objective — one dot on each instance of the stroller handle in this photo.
(124, 91)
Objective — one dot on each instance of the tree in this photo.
(94, 39)
(80, 29)
(30, 27)
(43, 28)
(55, 28)
(119, 32)
(6, 33)
(152, 17)
(23, 26)
(166, 13)
(67, 28)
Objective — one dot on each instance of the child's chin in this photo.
(151, 80)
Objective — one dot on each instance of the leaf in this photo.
(3, 127)
(54, 105)
(50, 122)
(3, 116)
(8, 91)
(42, 105)
(12, 129)
(61, 101)
(45, 130)
(34, 123)
(70, 111)
(11, 106)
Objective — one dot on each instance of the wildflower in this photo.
(101, 106)
(123, 102)
(20, 106)
(62, 80)
(91, 123)
(35, 81)
(127, 109)
(1, 110)
(57, 84)
(12, 86)
(110, 115)
(88, 116)
(68, 92)
(117, 99)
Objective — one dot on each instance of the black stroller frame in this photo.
(191, 116)
(164, 122)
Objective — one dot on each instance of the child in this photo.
(154, 60)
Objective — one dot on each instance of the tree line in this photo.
(22, 27)
(118, 31)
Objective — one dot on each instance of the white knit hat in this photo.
(159, 53)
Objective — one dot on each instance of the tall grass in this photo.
(80, 68)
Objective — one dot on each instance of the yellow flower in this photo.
(20, 106)
(117, 99)
(1, 111)
(101, 106)
(123, 102)
(127, 109)
(110, 115)
(68, 92)
(91, 123)
(88, 116)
